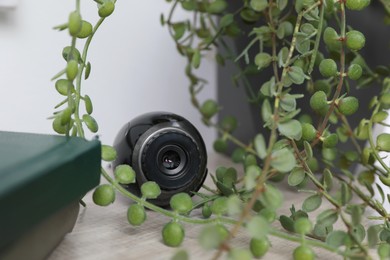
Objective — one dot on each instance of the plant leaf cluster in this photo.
(311, 53)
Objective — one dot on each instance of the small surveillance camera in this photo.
(165, 148)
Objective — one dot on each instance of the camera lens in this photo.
(171, 159)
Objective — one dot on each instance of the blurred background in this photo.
(135, 66)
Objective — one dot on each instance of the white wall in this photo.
(135, 66)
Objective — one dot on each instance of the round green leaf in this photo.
(226, 20)
(260, 146)
(296, 176)
(287, 223)
(266, 111)
(288, 102)
(272, 197)
(210, 237)
(63, 85)
(217, 6)
(327, 217)
(150, 190)
(195, 61)
(239, 254)
(372, 236)
(258, 5)
(219, 206)
(209, 108)
(91, 123)
(283, 160)
(308, 132)
(359, 232)
(251, 174)
(303, 226)
(124, 174)
(259, 247)
(108, 153)
(258, 227)
(178, 30)
(312, 203)
(181, 202)
(173, 234)
(384, 251)
(308, 150)
(336, 238)
(181, 255)
(332, 39)
(136, 214)
(328, 179)
(291, 129)
(263, 60)
(383, 142)
(104, 195)
(296, 75)
(380, 116)
(234, 205)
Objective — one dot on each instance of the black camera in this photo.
(165, 148)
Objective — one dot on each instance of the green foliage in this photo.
(104, 195)
(108, 153)
(355, 40)
(312, 203)
(348, 105)
(136, 214)
(150, 190)
(124, 174)
(303, 226)
(173, 234)
(328, 68)
(259, 247)
(303, 253)
(288, 42)
(181, 203)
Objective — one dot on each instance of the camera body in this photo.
(165, 148)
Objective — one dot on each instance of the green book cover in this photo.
(39, 175)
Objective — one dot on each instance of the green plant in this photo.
(286, 36)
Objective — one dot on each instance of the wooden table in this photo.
(104, 233)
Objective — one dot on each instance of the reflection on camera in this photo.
(165, 148)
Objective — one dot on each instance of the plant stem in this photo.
(273, 37)
(352, 235)
(310, 242)
(165, 212)
(234, 139)
(230, 53)
(273, 231)
(350, 132)
(372, 144)
(367, 200)
(169, 20)
(259, 189)
(310, 174)
(77, 119)
(341, 75)
(318, 38)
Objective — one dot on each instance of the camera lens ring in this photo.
(133, 137)
(172, 137)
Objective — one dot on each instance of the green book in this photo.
(41, 175)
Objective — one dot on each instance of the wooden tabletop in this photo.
(104, 233)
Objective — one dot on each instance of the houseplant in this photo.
(285, 37)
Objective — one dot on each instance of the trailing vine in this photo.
(305, 44)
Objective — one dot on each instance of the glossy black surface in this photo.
(165, 148)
